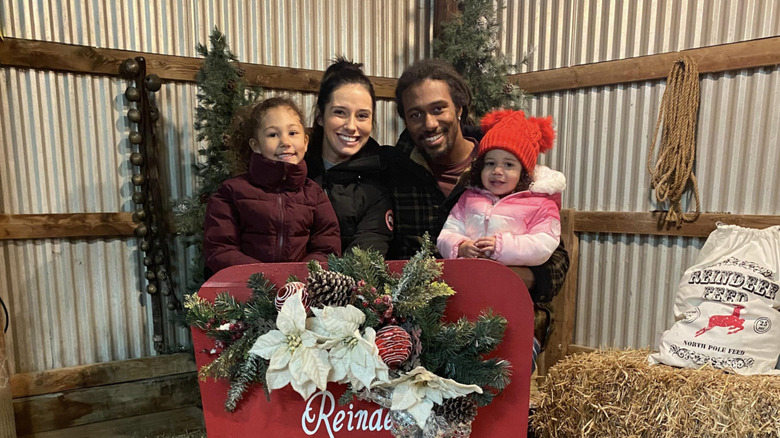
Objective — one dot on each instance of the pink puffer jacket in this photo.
(526, 225)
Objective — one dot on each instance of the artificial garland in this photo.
(381, 334)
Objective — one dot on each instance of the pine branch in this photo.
(251, 371)
(261, 286)
(412, 289)
(367, 265)
(469, 42)
(221, 91)
(199, 311)
(227, 306)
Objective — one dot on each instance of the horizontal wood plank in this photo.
(66, 225)
(167, 423)
(103, 403)
(86, 376)
(652, 223)
(713, 59)
(44, 55)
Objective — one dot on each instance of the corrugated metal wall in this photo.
(64, 146)
(78, 302)
(627, 283)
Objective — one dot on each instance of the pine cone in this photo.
(458, 410)
(328, 288)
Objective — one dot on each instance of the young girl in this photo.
(506, 214)
(271, 213)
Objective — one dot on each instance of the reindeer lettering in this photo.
(733, 321)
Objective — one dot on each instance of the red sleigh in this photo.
(480, 284)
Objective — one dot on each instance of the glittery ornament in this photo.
(394, 345)
(289, 290)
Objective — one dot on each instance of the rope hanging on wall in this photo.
(677, 151)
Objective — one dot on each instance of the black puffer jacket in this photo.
(359, 196)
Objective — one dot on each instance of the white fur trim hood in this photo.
(547, 181)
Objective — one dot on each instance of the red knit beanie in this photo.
(523, 137)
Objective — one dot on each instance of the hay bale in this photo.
(615, 393)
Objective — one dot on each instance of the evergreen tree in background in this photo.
(221, 91)
(469, 43)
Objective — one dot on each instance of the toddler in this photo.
(511, 211)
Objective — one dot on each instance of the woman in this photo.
(344, 159)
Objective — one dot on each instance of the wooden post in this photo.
(7, 425)
(564, 305)
(443, 11)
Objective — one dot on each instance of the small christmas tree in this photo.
(221, 91)
(469, 43)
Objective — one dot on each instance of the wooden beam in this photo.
(43, 55)
(103, 403)
(651, 223)
(65, 225)
(109, 373)
(174, 423)
(713, 59)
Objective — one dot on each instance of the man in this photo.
(429, 158)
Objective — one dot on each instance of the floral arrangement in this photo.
(381, 334)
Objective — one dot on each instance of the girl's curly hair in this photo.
(244, 126)
(473, 176)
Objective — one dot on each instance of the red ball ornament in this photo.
(289, 290)
(395, 345)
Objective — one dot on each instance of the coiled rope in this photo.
(677, 151)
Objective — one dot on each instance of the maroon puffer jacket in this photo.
(271, 214)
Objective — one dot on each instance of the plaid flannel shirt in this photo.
(420, 206)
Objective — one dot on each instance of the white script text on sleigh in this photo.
(343, 419)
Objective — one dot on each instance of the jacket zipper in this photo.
(280, 227)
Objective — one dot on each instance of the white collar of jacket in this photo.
(547, 181)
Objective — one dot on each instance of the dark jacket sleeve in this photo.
(221, 232)
(373, 231)
(549, 276)
(325, 236)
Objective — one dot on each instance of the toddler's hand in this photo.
(468, 250)
(486, 246)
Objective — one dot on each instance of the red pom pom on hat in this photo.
(548, 133)
(523, 137)
(490, 119)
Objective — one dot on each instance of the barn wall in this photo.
(64, 147)
(626, 283)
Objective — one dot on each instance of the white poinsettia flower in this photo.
(417, 391)
(295, 356)
(355, 359)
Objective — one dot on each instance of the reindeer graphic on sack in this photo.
(727, 308)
